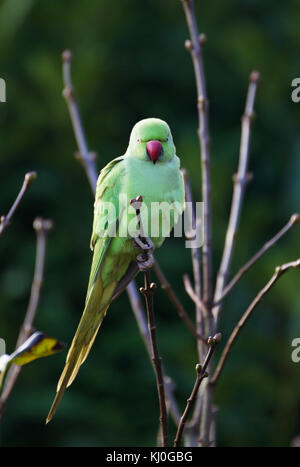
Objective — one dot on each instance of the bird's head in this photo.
(151, 140)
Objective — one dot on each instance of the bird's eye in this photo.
(167, 139)
(138, 140)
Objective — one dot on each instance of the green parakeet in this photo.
(149, 168)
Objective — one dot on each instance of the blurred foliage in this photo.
(130, 63)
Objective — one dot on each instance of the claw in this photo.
(149, 243)
(145, 261)
(145, 245)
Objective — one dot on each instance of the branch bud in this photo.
(188, 44)
(295, 218)
(217, 337)
(254, 76)
(67, 55)
(40, 224)
(202, 38)
(29, 177)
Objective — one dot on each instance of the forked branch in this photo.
(201, 374)
(279, 271)
(269, 244)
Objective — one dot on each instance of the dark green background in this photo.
(130, 63)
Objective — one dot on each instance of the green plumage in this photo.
(122, 179)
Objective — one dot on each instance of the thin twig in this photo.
(240, 180)
(201, 374)
(192, 294)
(279, 271)
(148, 291)
(42, 227)
(295, 218)
(4, 220)
(138, 311)
(166, 286)
(84, 155)
(195, 45)
(196, 264)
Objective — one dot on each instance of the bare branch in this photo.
(192, 294)
(201, 374)
(84, 155)
(195, 45)
(42, 227)
(166, 286)
(279, 271)
(269, 244)
(144, 263)
(240, 181)
(139, 313)
(148, 291)
(196, 263)
(4, 220)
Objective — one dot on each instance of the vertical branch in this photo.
(148, 291)
(42, 227)
(145, 261)
(138, 312)
(240, 180)
(194, 45)
(196, 264)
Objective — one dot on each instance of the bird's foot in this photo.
(145, 260)
(144, 243)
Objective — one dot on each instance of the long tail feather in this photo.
(92, 317)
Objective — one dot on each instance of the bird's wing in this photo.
(98, 297)
(105, 223)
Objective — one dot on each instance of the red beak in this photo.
(154, 149)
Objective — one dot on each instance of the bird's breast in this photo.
(160, 187)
